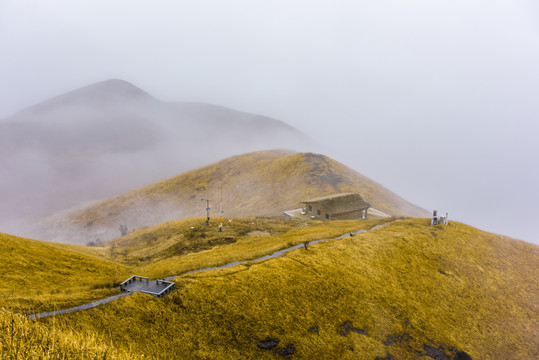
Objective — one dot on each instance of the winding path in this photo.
(78, 308)
(274, 255)
(168, 278)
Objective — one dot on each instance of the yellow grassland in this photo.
(179, 246)
(23, 339)
(41, 276)
(401, 290)
(37, 276)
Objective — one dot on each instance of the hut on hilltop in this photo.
(348, 206)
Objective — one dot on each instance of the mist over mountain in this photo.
(263, 183)
(109, 137)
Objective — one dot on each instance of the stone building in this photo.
(348, 206)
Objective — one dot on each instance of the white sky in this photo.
(437, 100)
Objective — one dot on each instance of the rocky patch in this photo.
(347, 327)
(272, 343)
(396, 338)
(461, 355)
(435, 353)
(288, 350)
(268, 343)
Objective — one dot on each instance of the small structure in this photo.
(142, 284)
(348, 206)
(438, 220)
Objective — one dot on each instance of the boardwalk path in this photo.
(274, 255)
(266, 257)
(78, 308)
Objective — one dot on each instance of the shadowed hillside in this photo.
(403, 291)
(110, 137)
(257, 184)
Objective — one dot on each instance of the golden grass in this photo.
(184, 236)
(21, 338)
(404, 290)
(179, 246)
(40, 276)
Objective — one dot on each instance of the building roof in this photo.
(340, 203)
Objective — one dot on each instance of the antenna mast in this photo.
(207, 210)
(221, 211)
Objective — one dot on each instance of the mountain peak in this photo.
(108, 91)
(114, 87)
(103, 93)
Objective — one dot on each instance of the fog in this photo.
(435, 100)
(110, 137)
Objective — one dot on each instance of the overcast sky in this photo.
(437, 100)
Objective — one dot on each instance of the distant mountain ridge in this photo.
(264, 183)
(109, 137)
(108, 92)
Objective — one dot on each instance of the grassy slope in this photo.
(21, 338)
(256, 184)
(179, 246)
(406, 289)
(41, 276)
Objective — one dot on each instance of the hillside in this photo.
(263, 183)
(399, 292)
(21, 338)
(110, 137)
(180, 246)
(39, 276)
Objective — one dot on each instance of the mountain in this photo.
(402, 291)
(109, 137)
(264, 183)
